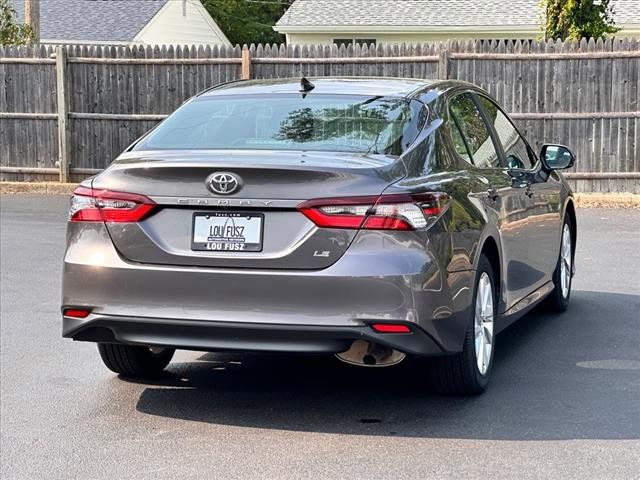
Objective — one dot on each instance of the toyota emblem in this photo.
(223, 183)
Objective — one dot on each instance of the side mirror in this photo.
(556, 157)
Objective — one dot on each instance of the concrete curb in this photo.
(607, 200)
(583, 200)
(47, 188)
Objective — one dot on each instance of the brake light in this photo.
(89, 205)
(384, 212)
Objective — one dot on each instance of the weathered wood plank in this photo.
(545, 56)
(246, 64)
(63, 131)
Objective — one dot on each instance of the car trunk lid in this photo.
(261, 214)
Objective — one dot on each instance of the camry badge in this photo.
(223, 183)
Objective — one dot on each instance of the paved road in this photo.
(564, 401)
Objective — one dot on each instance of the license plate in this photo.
(227, 232)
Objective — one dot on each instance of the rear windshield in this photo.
(343, 123)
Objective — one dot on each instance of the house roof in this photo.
(92, 20)
(395, 14)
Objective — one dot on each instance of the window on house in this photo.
(369, 42)
(343, 41)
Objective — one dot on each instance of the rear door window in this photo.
(459, 143)
(516, 151)
(473, 132)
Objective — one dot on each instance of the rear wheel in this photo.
(133, 360)
(558, 299)
(468, 372)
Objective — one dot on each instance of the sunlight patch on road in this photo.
(611, 364)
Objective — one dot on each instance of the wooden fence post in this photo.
(63, 114)
(245, 72)
(443, 61)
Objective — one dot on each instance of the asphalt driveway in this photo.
(564, 401)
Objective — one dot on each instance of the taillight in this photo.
(384, 212)
(89, 205)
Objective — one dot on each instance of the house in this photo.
(125, 22)
(415, 21)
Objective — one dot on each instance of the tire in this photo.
(558, 299)
(461, 374)
(134, 361)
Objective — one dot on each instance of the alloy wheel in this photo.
(565, 261)
(484, 323)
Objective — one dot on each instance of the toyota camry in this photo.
(369, 218)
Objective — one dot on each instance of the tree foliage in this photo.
(248, 21)
(376, 124)
(575, 19)
(13, 32)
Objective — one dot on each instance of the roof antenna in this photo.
(305, 86)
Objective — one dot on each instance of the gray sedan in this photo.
(369, 218)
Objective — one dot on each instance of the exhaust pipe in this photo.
(368, 354)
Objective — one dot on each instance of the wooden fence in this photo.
(66, 112)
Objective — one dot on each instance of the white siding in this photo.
(408, 38)
(182, 22)
(319, 38)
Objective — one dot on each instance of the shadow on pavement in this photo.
(571, 376)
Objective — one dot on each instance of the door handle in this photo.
(492, 194)
(528, 191)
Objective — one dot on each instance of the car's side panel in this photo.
(535, 199)
(546, 225)
(505, 207)
(523, 224)
(517, 223)
(468, 221)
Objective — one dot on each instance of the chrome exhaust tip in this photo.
(367, 354)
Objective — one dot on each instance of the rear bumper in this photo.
(225, 336)
(269, 310)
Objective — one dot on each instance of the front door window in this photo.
(473, 130)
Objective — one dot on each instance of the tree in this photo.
(11, 31)
(575, 19)
(375, 123)
(248, 21)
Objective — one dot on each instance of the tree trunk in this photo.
(32, 18)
